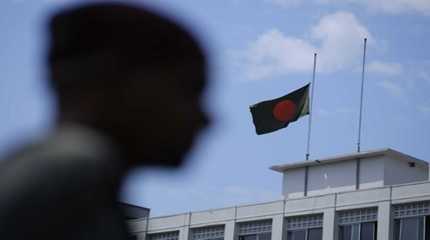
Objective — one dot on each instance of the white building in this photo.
(381, 194)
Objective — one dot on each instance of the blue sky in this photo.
(260, 49)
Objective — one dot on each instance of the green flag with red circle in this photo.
(271, 115)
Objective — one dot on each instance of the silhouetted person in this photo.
(129, 85)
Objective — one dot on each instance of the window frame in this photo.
(220, 226)
(240, 234)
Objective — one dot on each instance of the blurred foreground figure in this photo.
(129, 84)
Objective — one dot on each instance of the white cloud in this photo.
(340, 47)
(341, 37)
(393, 88)
(385, 68)
(275, 54)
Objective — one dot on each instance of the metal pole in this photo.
(361, 96)
(311, 108)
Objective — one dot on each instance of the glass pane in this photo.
(290, 235)
(421, 228)
(397, 229)
(427, 232)
(315, 234)
(355, 232)
(248, 237)
(367, 231)
(296, 235)
(345, 232)
(411, 229)
(264, 236)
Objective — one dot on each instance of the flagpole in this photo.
(311, 108)
(361, 95)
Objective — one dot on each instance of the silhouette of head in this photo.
(133, 75)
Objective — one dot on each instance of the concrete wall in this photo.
(294, 183)
(341, 176)
(372, 172)
(330, 178)
(328, 205)
(171, 223)
(215, 216)
(398, 172)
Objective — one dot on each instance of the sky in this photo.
(259, 50)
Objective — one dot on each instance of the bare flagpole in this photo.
(361, 95)
(311, 108)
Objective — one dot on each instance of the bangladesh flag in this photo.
(271, 115)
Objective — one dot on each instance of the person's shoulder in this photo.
(38, 167)
(65, 162)
(53, 155)
(62, 178)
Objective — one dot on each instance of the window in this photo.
(257, 230)
(164, 236)
(315, 234)
(411, 209)
(412, 221)
(368, 230)
(307, 227)
(345, 232)
(358, 224)
(296, 235)
(208, 233)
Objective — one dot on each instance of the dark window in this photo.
(412, 221)
(305, 234)
(164, 236)
(358, 231)
(305, 227)
(410, 228)
(297, 235)
(397, 229)
(345, 232)
(207, 233)
(248, 237)
(367, 231)
(264, 236)
(260, 236)
(427, 224)
(315, 234)
(257, 230)
(355, 231)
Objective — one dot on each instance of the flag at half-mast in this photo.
(271, 115)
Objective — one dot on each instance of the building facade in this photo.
(381, 194)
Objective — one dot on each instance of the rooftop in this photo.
(346, 157)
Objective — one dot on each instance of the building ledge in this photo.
(346, 157)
